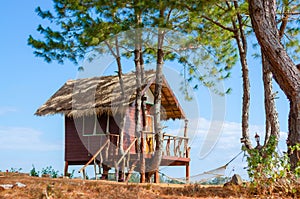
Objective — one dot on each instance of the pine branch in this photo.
(218, 24)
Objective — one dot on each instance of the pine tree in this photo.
(286, 74)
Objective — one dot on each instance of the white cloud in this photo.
(283, 135)
(221, 147)
(20, 138)
(6, 109)
(207, 136)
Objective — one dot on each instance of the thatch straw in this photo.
(102, 95)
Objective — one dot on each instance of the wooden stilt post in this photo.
(66, 168)
(187, 167)
(105, 172)
(84, 174)
(187, 172)
(156, 177)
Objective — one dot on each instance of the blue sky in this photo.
(26, 82)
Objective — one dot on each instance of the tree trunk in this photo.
(294, 130)
(117, 56)
(285, 72)
(138, 103)
(143, 82)
(272, 123)
(138, 100)
(157, 105)
(143, 107)
(246, 99)
(123, 115)
(241, 41)
(240, 37)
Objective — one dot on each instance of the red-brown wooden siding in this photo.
(79, 149)
(129, 129)
(74, 148)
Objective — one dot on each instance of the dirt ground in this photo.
(48, 188)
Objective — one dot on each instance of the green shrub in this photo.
(49, 171)
(33, 172)
(15, 170)
(269, 171)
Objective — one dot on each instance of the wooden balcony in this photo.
(175, 146)
(175, 151)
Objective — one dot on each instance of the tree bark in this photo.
(240, 38)
(138, 99)
(138, 103)
(241, 41)
(138, 60)
(117, 56)
(123, 115)
(286, 74)
(294, 130)
(272, 123)
(143, 107)
(157, 105)
(246, 95)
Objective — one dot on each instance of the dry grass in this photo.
(47, 188)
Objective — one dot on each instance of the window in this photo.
(91, 126)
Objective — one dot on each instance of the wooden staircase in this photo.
(111, 158)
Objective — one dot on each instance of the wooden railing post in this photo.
(174, 150)
(127, 150)
(179, 150)
(179, 146)
(107, 148)
(185, 135)
(168, 146)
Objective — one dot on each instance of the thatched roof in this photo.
(103, 95)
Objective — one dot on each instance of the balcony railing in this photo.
(172, 145)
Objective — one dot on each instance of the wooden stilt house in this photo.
(100, 125)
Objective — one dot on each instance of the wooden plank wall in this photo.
(129, 129)
(79, 149)
(75, 151)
